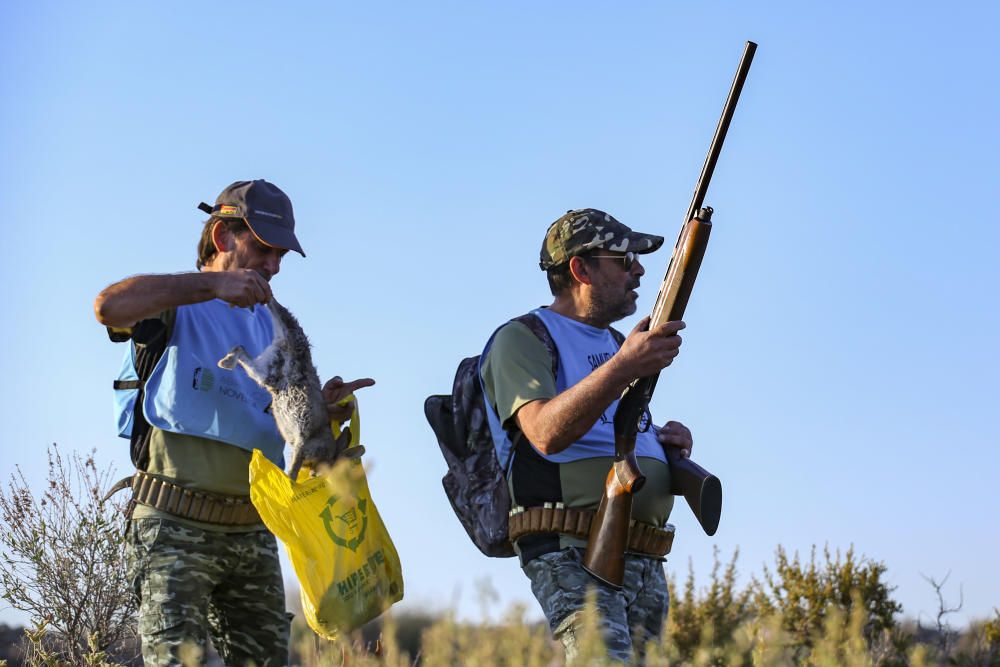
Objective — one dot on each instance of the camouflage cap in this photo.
(583, 229)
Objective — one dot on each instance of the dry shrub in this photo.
(62, 561)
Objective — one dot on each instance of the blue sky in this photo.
(839, 362)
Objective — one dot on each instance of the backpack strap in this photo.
(149, 339)
(537, 327)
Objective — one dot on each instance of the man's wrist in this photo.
(618, 375)
(201, 286)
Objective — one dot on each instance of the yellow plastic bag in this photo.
(346, 564)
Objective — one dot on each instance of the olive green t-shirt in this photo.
(199, 464)
(518, 370)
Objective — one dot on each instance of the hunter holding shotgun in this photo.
(572, 395)
(563, 404)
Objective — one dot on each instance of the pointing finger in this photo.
(361, 383)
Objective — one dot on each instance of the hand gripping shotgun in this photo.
(609, 531)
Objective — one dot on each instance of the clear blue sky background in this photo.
(840, 358)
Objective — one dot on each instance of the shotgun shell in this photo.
(559, 518)
(546, 524)
(534, 519)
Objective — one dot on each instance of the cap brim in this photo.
(274, 235)
(653, 240)
(636, 242)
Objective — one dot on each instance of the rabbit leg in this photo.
(257, 368)
(236, 355)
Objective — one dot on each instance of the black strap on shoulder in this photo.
(150, 340)
(537, 327)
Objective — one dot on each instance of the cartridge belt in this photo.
(201, 506)
(643, 538)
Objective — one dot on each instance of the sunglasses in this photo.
(628, 259)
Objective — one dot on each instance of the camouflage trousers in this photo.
(191, 582)
(630, 617)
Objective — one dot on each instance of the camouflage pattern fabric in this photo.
(191, 582)
(630, 617)
(587, 228)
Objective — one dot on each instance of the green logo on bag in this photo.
(350, 524)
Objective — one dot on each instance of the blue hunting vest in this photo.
(189, 394)
(581, 348)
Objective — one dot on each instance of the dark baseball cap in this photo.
(264, 207)
(584, 229)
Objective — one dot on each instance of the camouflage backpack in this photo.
(475, 482)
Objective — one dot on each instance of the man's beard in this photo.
(606, 306)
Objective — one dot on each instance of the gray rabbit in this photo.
(286, 370)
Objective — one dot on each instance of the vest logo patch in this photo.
(204, 379)
(346, 525)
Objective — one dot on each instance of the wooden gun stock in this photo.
(605, 555)
(609, 533)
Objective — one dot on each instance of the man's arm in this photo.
(552, 425)
(128, 301)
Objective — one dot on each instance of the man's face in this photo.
(613, 287)
(246, 252)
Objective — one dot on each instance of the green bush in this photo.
(697, 619)
(803, 593)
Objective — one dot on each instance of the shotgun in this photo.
(609, 531)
